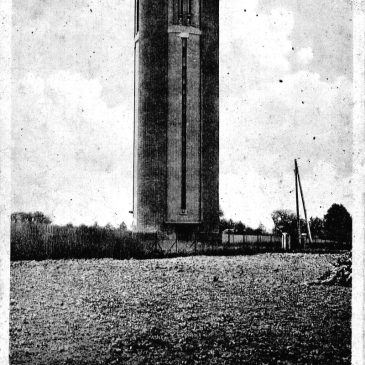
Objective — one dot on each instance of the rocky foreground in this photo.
(217, 310)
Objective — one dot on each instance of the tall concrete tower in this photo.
(176, 116)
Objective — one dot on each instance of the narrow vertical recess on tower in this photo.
(183, 124)
(136, 16)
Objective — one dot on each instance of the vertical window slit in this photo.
(180, 11)
(184, 12)
(136, 20)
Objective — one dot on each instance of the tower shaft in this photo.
(176, 122)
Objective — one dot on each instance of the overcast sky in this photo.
(285, 93)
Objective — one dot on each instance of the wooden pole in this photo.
(305, 210)
(297, 200)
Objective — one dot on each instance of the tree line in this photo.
(41, 218)
(240, 228)
(335, 225)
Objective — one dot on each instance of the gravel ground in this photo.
(216, 310)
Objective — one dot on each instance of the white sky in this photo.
(72, 98)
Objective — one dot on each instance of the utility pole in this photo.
(297, 200)
(305, 210)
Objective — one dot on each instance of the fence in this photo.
(230, 238)
(31, 241)
(274, 242)
(251, 242)
(325, 244)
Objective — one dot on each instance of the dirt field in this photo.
(207, 310)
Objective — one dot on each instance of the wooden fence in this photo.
(251, 242)
(230, 238)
